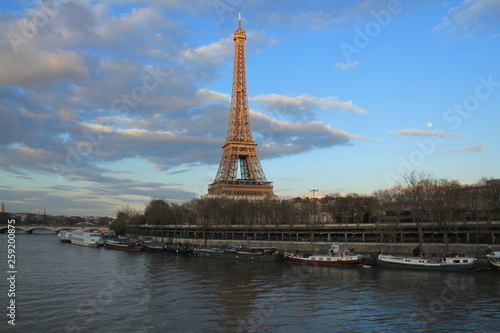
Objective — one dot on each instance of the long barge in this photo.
(335, 256)
(443, 264)
(124, 246)
(254, 253)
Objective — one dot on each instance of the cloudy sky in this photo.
(111, 103)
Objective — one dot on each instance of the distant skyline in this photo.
(110, 104)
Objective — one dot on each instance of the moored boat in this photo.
(86, 238)
(254, 253)
(107, 234)
(447, 263)
(336, 256)
(123, 245)
(168, 248)
(64, 236)
(494, 260)
(494, 264)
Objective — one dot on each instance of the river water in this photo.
(68, 288)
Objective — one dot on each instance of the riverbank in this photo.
(371, 249)
(478, 250)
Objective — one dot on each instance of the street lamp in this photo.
(314, 205)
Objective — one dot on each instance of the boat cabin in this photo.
(458, 260)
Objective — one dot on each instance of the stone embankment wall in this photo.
(478, 250)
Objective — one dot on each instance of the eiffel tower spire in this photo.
(240, 174)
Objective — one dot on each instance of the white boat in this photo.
(336, 256)
(64, 236)
(494, 255)
(448, 263)
(494, 260)
(86, 238)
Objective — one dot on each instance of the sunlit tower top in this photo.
(240, 128)
(240, 174)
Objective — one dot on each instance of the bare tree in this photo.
(158, 212)
(390, 210)
(490, 193)
(446, 206)
(414, 193)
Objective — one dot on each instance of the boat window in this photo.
(329, 259)
(456, 261)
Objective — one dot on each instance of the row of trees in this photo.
(421, 198)
(417, 198)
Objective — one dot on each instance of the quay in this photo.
(469, 236)
(473, 237)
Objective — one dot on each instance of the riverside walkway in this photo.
(453, 232)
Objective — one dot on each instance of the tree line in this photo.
(417, 198)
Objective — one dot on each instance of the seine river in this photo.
(68, 288)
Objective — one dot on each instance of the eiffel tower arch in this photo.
(240, 174)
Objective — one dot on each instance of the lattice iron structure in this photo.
(240, 150)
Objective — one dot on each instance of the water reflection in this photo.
(62, 285)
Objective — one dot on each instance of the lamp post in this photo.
(314, 205)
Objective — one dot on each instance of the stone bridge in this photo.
(55, 228)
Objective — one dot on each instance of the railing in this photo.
(238, 182)
(468, 224)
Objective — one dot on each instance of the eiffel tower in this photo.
(240, 150)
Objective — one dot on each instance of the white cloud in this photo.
(305, 105)
(347, 65)
(208, 55)
(31, 65)
(278, 138)
(475, 148)
(472, 17)
(416, 132)
(69, 113)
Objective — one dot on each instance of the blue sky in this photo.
(105, 104)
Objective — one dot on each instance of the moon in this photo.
(429, 124)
